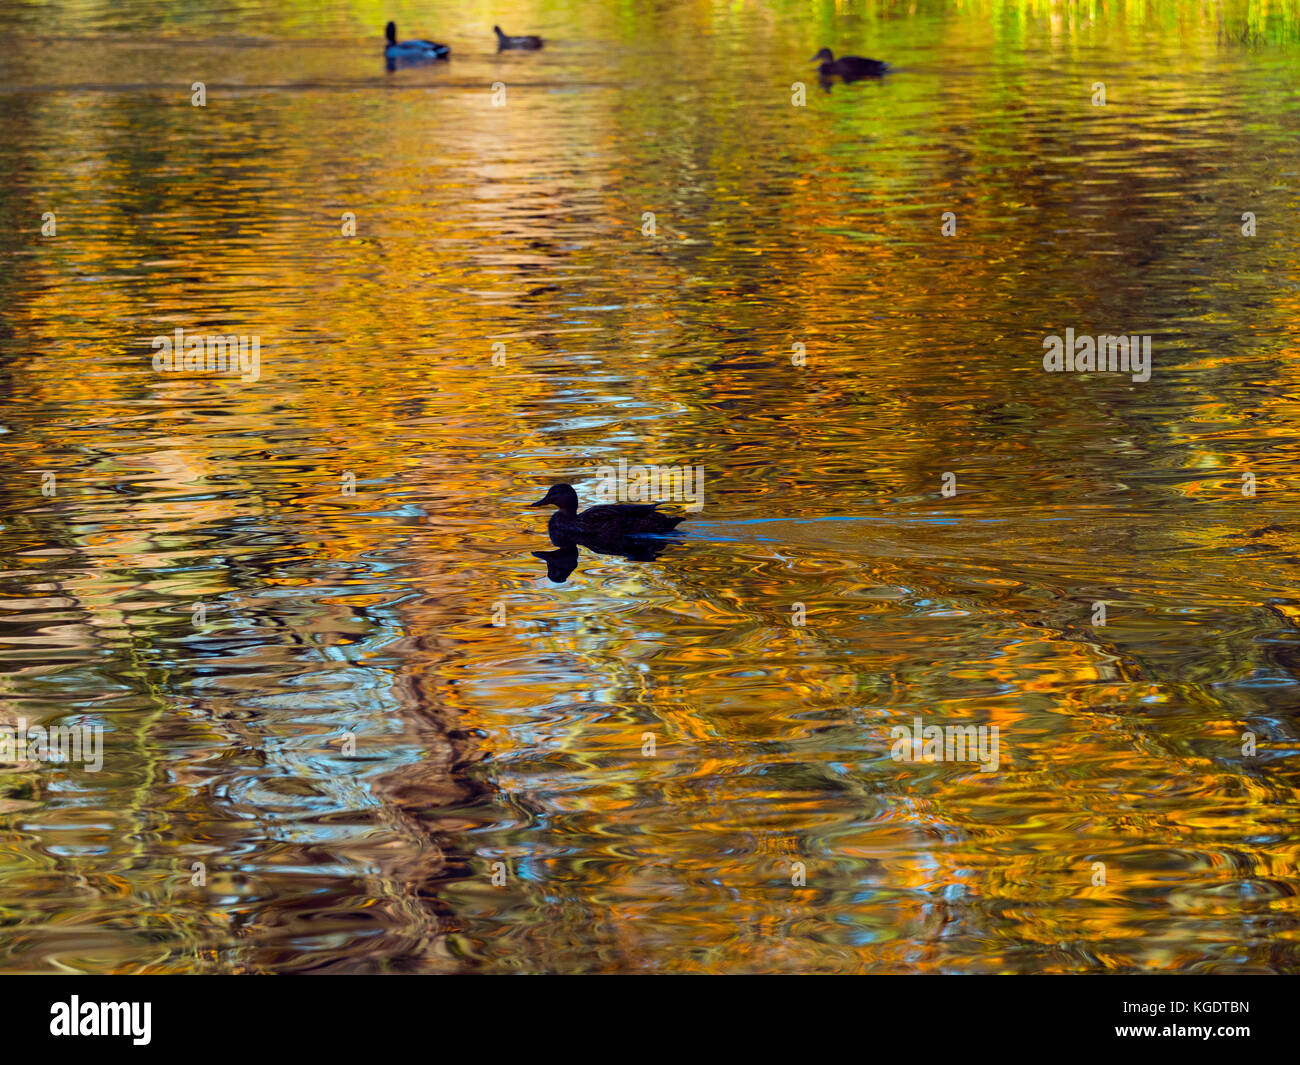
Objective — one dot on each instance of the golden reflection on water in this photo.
(335, 620)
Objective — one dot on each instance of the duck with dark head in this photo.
(608, 521)
(528, 43)
(848, 67)
(635, 531)
(410, 52)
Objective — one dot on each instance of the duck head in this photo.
(559, 495)
(824, 56)
(390, 31)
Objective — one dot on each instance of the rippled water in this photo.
(331, 619)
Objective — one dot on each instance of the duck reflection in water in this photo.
(563, 560)
(635, 531)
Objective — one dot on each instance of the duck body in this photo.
(604, 524)
(849, 67)
(528, 43)
(412, 50)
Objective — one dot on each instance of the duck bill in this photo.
(543, 502)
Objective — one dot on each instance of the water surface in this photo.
(352, 747)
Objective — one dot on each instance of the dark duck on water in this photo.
(411, 51)
(528, 42)
(609, 522)
(848, 67)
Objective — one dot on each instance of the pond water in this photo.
(361, 730)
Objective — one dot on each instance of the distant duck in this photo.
(504, 41)
(418, 49)
(848, 67)
(610, 522)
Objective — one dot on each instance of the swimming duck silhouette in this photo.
(848, 67)
(504, 41)
(608, 522)
(412, 50)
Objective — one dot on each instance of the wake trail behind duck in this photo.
(1100, 545)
